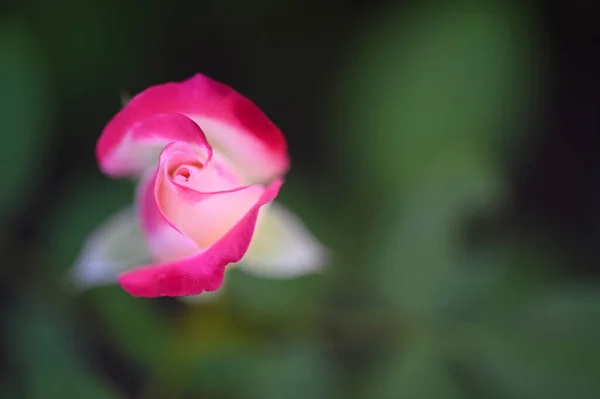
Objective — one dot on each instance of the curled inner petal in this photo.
(202, 201)
(165, 243)
(182, 174)
(140, 145)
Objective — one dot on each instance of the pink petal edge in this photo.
(263, 152)
(146, 138)
(203, 271)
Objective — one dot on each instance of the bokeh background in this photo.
(448, 154)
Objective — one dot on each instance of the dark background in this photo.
(448, 154)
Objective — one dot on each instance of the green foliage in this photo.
(134, 326)
(433, 82)
(49, 357)
(24, 109)
(418, 372)
(519, 364)
(298, 370)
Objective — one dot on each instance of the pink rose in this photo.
(210, 164)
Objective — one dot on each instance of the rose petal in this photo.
(165, 243)
(282, 247)
(116, 246)
(192, 202)
(139, 148)
(203, 271)
(232, 123)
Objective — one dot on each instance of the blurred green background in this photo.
(447, 153)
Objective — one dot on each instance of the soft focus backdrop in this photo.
(448, 154)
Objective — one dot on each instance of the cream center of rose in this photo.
(203, 201)
(183, 173)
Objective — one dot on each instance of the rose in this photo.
(210, 164)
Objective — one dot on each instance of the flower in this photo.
(209, 164)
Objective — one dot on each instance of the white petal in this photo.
(282, 247)
(116, 246)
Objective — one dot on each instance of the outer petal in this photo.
(203, 271)
(282, 247)
(139, 147)
(118, 245)
(231, 122)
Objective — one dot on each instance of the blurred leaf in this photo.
(493, 282)
(133, 324)
(416, 242)
(430, 82)
(219, 354)
(415, 373)
(470, 288)
(24, 109)
(224, 372)
(48, 359)
(265, 372)
(289, 304)
(205, 329)
(571, 313)
(428, 94)
(294, 371)
(212, 350)
(518, 364)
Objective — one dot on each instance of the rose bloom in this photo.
(209, 164)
